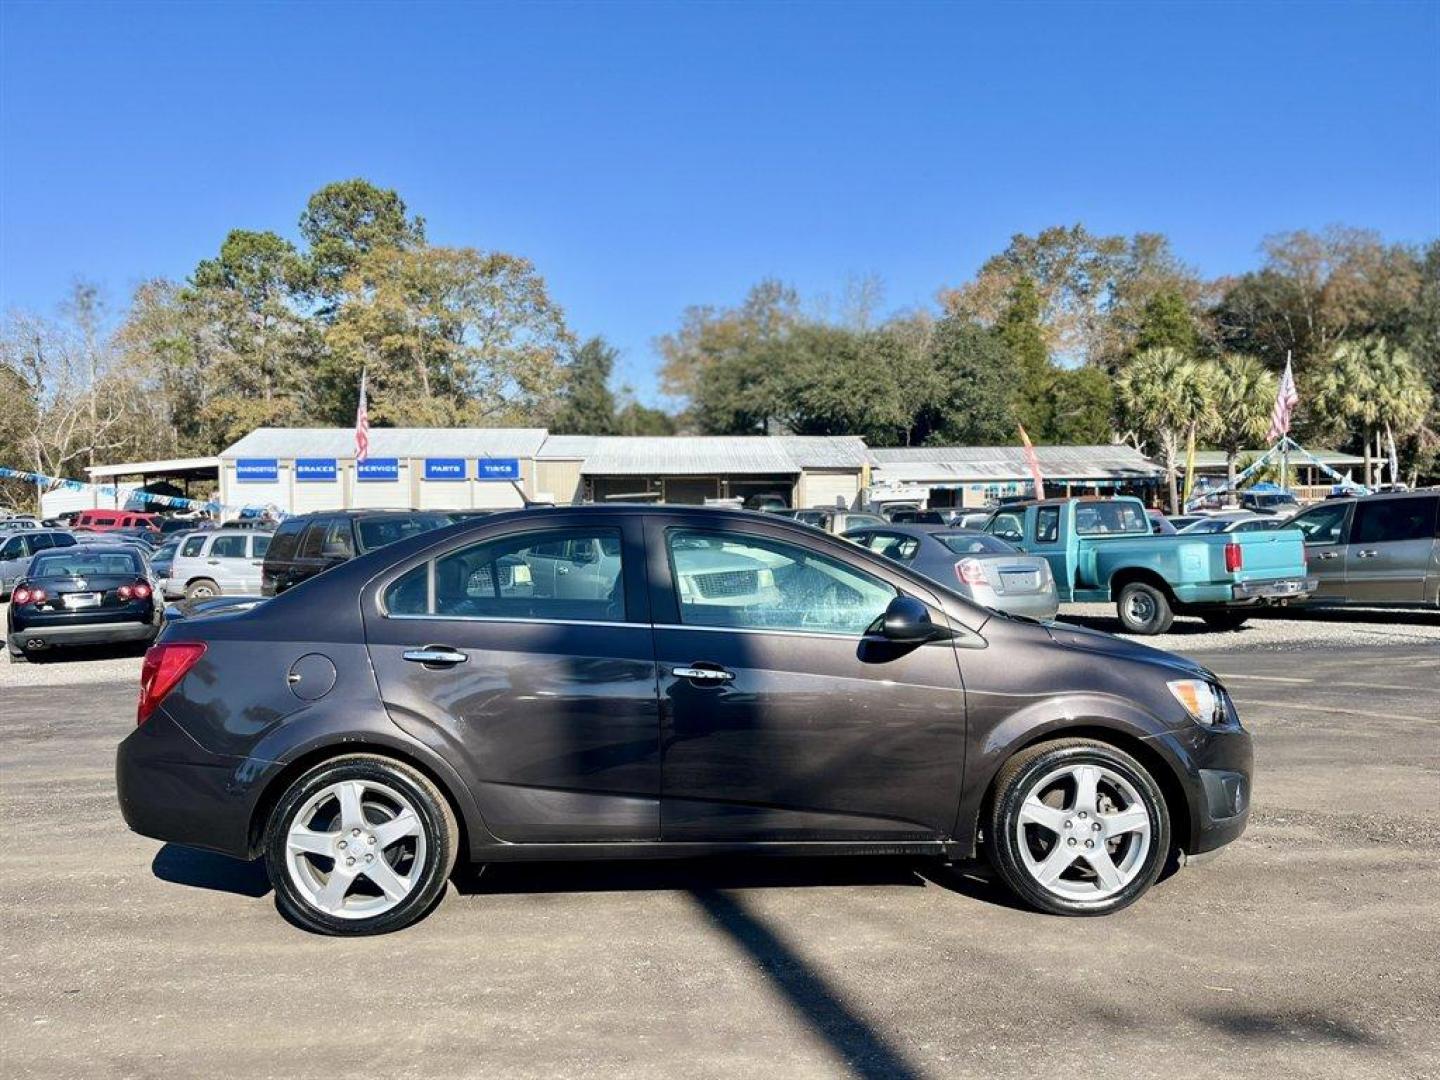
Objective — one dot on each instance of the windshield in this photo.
(378, 532)
(975, 544)
(1100, 518)
(84, 564)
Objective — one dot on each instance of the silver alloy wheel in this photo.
(355, 849)
(201, 592)
(1083, 832)
(1139, 607)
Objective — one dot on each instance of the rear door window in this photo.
(1393, 520)
(229, 547)
(505, 578)
(261, 545)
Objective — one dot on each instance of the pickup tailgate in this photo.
(1264, 555)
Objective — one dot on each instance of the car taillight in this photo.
(971, 572)
(23, 595)
(139, 591)
(165, 665)
(1234, 557)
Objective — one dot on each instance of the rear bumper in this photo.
(1274, 589)
(48, 637)
(172, 789)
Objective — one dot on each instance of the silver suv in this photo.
(222, 562)
(1377, 549)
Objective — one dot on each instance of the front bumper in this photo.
(1215, 767)
(1274, 589)
(49, 637)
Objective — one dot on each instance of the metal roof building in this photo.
(974, 475)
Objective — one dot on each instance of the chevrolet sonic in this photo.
(637, 681)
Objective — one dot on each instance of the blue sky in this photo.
(648, 157)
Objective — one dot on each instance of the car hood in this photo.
(1070, 636)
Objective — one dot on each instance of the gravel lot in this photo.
(1308, 949)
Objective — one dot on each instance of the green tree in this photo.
(1166, 321)
(345, 221)
(1367, 386)
(971, 378)
(1019, 329)
(1082, 405)
(1244, 398)
(633, 418)
(449, 336)
(587, 406)
(1162, 395)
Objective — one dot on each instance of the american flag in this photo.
(1286, 398)
(362, 425)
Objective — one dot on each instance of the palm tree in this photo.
(1162, 393)
(1244, 398)
(1368, 384)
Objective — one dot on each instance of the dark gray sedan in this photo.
(652, 681)
(978, 566)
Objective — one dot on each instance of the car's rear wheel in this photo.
(202, 589)
(1144, 608)
(1224, 620)
(360, 844)
(1077, 827)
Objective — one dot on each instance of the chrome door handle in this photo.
(1366, 554)
(702, 674)
(437, 655)
(1328, 555)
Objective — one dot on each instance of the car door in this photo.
(780, 718)
(547, 702)
(1389, 549)
(226, 560)
(14, 556)
(252, 571)
(1325, 527)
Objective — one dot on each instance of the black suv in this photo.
(313, 543)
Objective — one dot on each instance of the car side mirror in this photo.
(908, 620)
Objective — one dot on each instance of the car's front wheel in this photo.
(360, 844)
(1077, 827)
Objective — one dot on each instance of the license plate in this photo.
(1020, 581)
(82, 599)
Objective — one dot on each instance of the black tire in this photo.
(1019, 778)
(1144, 608)
(437, 822)
(201, 589)
(1224, 620)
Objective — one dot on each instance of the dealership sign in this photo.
(384, 468)
(314, 469)
(498, 469)
(257, 470)
(445, 468)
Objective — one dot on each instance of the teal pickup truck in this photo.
(1102, 550)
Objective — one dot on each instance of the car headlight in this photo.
(1204, 701)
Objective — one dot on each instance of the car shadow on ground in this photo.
(209, 870)
(1192, 624)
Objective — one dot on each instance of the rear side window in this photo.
(1393, 520)
(286, 539)
(750, 582)
(1103, 518)
(262, 545)
(573, 574)
(314, 541)
(1047, 524)
(41, 541)
(338, 540)
(193, 546)
(228, 547)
